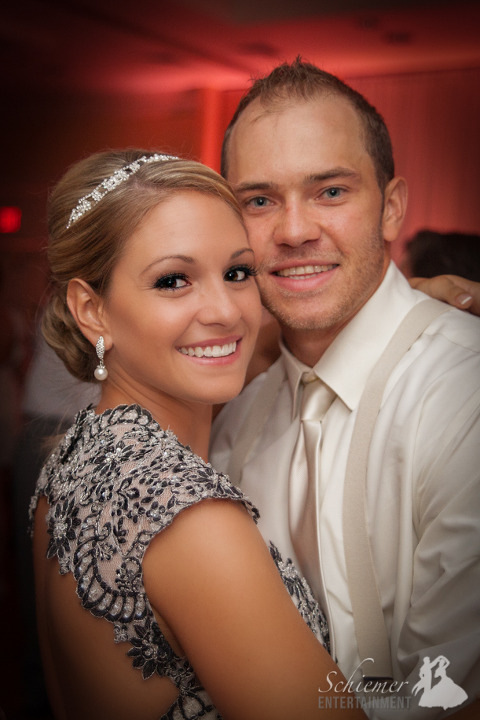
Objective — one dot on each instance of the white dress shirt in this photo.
(423, 481)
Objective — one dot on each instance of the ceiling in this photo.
(152, 46)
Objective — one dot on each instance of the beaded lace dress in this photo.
(114, 482)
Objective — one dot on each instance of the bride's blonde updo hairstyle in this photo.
(92, 211)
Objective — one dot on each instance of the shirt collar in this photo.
(349, 360)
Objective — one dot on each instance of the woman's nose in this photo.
(219, 306)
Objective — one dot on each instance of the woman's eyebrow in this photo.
(183, 258)
(190, 260)
(241, 252)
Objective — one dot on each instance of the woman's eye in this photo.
(171, 282)
(240, 273)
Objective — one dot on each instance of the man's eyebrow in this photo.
(254, 187)
(332, 174)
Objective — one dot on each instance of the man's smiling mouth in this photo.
(304, 270)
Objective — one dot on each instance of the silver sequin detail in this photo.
(87, 202)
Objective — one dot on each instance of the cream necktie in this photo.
(304, 477)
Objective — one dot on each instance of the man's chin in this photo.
(307, 314)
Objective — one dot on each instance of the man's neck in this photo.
(308, 346)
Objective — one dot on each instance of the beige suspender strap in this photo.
(370, 631)
(255, 420)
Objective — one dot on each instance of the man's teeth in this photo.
(304, 270)
(210, 351)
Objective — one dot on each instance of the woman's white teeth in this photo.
(304, 270)
(210, 351)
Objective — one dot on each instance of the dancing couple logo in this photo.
(438, 690)
(435, 689)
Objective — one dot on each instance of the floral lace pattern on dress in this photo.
(115, 481)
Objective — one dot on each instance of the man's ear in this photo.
(394, 209)
(87, 309)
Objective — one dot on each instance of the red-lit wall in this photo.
(433, 118)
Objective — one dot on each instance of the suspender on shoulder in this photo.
(370, 631)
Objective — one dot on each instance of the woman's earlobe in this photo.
(87, 309)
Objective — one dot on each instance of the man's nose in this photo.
(296, 224)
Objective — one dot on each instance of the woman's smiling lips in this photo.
(215, 349)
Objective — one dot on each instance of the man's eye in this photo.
(240, 273)
(333, 192)
(171, 282)
(258, 202)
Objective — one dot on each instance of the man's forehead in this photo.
(287, 117)
(325, 127)
(278, 105)
(261, 107)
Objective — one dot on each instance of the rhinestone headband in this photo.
(87, 202)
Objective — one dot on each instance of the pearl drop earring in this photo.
(101, 372)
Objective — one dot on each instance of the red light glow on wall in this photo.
(10, 219)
